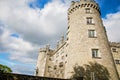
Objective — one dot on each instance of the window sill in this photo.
(92, 37)
(89, 13)
(90, 23)
(96, 57)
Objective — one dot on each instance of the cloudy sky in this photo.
(27, 25)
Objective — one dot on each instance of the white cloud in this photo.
(112, 25)
(18, 48)
(35, 25)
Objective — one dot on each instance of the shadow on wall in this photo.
(91, 71)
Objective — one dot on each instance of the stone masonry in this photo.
(86, 42)
(115, 48)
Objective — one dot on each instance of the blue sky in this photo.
(109, 6)
(106, 6)
(39, 3)
(27, 25)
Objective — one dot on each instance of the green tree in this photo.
(4, 69)
(92, 71)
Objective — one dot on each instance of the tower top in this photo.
(88, 0)
(83, 3)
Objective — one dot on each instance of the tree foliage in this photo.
(91, 71)
(4, 69)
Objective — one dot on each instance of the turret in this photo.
(83, 4)
(87, 38)
(44, 54)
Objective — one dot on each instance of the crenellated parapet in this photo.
(42, 49)
(78, 5)
(61, 42)
(46, 50)
(115, 44)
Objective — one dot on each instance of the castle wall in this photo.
(115, 49)
(53, 65)
(60, 61)
(41, 62)
(86, 42)
(81, 44)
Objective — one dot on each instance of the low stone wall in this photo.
(11, 76)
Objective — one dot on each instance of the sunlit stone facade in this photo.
(115, 48)
(86, 42)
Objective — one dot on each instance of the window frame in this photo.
(88, 10)
(89, 20)
(92, 33)
(96, 53)
(114, 50)
(117, 61)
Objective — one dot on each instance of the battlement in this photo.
(59, 47)
(115, 44)
(45, 49)
(77, 5)
(42, 49)
(61, 42)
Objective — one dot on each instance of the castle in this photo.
(86, 42)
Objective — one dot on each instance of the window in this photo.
(49, 66)
(66, 55)
(92, 33)
(88, 10)
(114, 50)
(61, 64)
(68, 27)
(67, 38)
(117, 61)
(37, 71)
(55, 67)
(68, 18)
(105, 29)
(65, 61)
(51, 59)
(89, 20)
(57, 54)
(95, 53)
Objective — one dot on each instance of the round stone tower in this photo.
(86, 38)
(41, 62)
